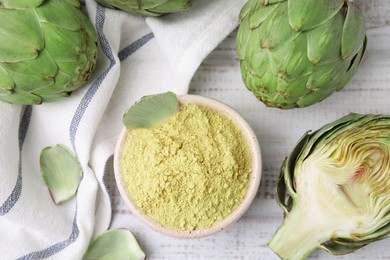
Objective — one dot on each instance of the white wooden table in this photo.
(219, 77)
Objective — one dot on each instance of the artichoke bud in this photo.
(299, 46)
(42, 57)
(337, 181)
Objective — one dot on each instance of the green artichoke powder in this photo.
(190, 172)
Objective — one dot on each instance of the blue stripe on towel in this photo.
(100, 19)
(133, 47)
(15, 194)
(54, 249)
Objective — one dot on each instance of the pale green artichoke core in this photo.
(340, 189)
(349, 179)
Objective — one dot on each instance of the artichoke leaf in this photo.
(246, 9)
(353, 29)
(259, 13)
(355, 62)
(22, 97)
(20, 4)
(29, 40)
(324, 42)
(171, 6)
(290, 61)
(115, 244)
(63, 39)
(33, 74)
(242, 39)
(6, 82)
(151, 110)
(306, 15)
(61, 172)
(60, 14)
(278, 18)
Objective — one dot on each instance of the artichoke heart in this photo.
(147, 7)
(335, 188)
(48, 48)
(295, 53)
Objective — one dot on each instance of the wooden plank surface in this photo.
(219, 77)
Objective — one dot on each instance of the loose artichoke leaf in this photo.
(27, 42)
(61, 172)
(306, 15)
(354, 32)
(114, 244)
(151, 110)
(21, 4)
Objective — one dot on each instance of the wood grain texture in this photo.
(219, 77)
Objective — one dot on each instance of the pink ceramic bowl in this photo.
(253, 183)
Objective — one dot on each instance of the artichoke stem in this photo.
(301, 233)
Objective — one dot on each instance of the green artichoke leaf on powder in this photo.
(114, 244)
(61, 172)
(151, 110)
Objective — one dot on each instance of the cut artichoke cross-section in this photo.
(338, 182)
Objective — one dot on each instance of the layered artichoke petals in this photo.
(341, 171)
(295, 44)
(60, 56)
(147, 7)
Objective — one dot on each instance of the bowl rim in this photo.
(254, 181)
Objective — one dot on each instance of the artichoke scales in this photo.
(48, 48)
(295, 53)
(147, 7)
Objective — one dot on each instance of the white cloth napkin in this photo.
(137, 56)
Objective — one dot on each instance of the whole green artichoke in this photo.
(47, 49)
(294, 53)
(147, 7)
(334, 188)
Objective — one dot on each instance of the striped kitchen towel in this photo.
(137, 56)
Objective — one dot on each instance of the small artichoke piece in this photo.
(151, 110)
(48, 48)
(115, 244)
(61, 172)
(338, 184)
(147, 7)
(294, 53)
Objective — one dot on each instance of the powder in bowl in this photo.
(189, 172)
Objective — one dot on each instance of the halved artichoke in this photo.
(47, 50)
(147, 7)
(338, 184)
